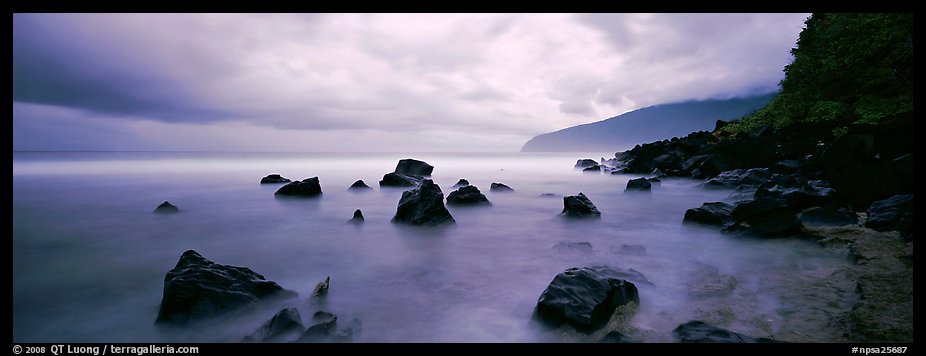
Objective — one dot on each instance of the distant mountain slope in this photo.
(648, 124)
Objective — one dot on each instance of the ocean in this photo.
(89, 256)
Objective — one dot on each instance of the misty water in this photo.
(89, 256)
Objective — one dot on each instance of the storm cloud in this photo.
(374, 82)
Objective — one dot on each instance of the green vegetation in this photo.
(847, 69)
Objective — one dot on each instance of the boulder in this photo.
(321, 289)
(467, 195)
(615, 337)
(593, 169)
(737, 177)
(697, 331)
(894, 213)
(197, 288)
(359, 185)
(308, 187)
(423, 205)
(711, 213)
(166, 208)
(358, 217)
(398, 180)
(579, 206)
(640, 184)
(500, 188)
(413, 167)
(549, 195)
(765, 217)
(284, 325)
(582, 163)
(788, 166)
(828, 216)
(461, 183)
(273, 179)
(585, 297)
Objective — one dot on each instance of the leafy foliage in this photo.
(847, 69)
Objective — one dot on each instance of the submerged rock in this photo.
(697, 331)
(358, 217)
(641, 184)
(398, 180)
(707, 281)
(273, 179)
(585, 297)
(467, 195)
(711, 213)
(500, 188)
(593, 169)
(166, 208)
(568, 246)
(423, 205)
(284, 325)
(413, 167)
(579, 206)
(359, 185)
(197, 288)
(308, 187)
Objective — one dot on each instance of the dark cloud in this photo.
(228, 79)
(52, 68)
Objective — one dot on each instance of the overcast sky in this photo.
(369, 82)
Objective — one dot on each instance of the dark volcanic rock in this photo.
(788, 166)
(500, 188)
(549, 195)
(398, 180)
(308, 187)
(593, 169)
(766, 217)
(894, 213)
(828, 216)
(423, 205)
(697, 331)
(285, 324)
(467, 195)
(326, 329)
(413, 167)
(641, 184)
(198, 288)
(166, 208)
(358, 217)
(359, 185)
(274, 178)
(585, 297)
(461, 183)
(582, 163)
(737, 177)
(615, 337)
(321, 289)
(711, 213)
(579, 206)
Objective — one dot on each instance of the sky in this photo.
(369, 82)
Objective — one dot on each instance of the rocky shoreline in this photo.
(851, 193)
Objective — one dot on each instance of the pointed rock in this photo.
(166, 208)
(423, 205)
